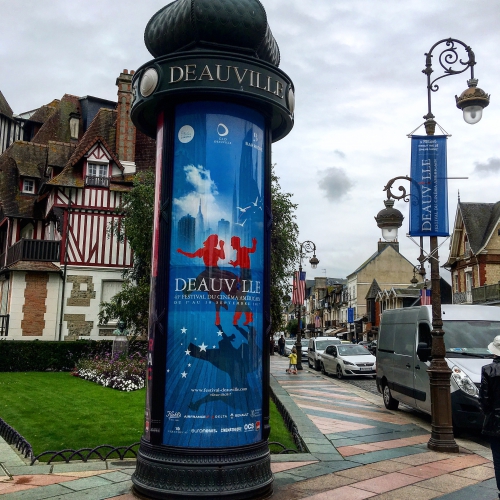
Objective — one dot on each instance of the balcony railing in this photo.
(91, 180)
(41, 250)
(4, 325)
(486, 293)
(462, 298)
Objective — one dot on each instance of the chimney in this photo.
(125, 130)
(383, 244)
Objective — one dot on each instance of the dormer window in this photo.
(29, 186)
(97, 175)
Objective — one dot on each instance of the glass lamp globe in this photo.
(390, 233)
(472, 114)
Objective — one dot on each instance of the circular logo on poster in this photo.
(186, 133)
(222, 130)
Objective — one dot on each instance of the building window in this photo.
(455, 282)
(27, 232)
(109, 290)
(97, 175)
(29, 186)
(468, 287)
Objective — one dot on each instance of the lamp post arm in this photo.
(306, 247)
(447, 58)
(405, 196)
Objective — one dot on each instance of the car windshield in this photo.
(465, 338)
(321, 345)
(353, 350)
(290, 341)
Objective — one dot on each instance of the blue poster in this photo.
(429, 187)
(350, 314)
(213, 390)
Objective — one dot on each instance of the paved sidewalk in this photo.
(356, 449)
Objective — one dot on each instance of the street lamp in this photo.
(472, 101)
(305, 248)
(389, 219)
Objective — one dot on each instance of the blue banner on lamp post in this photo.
(350, 314)
(429, 187)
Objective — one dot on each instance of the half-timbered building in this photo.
(474, 260)
(60, 192)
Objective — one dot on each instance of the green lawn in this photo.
(54, 411)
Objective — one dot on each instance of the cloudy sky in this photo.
(356, 66)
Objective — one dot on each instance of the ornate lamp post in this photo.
(305, 248)
(471, 102)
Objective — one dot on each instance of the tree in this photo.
(131, 304)
(284, 249)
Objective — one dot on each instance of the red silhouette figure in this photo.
(215, 279)
(243, 261)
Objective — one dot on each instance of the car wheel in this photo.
(309, 363)
(340, 373)
(323, 371)
(389, 402)
(317, 365)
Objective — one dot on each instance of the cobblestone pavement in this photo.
(356, 449)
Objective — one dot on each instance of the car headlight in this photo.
(347, 362)
(464, 382)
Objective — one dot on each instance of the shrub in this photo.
(42, 355)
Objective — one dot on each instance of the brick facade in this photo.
(34, 307)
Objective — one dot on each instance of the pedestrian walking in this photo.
(281, 345)
(489, 399)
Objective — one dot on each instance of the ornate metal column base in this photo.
(179, 473)
(442, 425)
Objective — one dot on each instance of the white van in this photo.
(316, 346)
(403, 352)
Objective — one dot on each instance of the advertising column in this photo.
(215, 100)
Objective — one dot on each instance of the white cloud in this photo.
(204, 191)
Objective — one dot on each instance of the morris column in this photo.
(215, 100)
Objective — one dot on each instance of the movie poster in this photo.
(429, 187)
(213, 390)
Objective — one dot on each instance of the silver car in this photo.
(290, 344)
(348, 360)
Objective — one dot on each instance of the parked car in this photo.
(364, 343)
(403, 357)
(290, 344)
(346, 342)
(348, 360)
(316, 347)
(372, 347)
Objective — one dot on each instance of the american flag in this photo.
(299, 287)
(425, 297)
(317, 322)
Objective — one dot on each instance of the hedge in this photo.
(40, 356)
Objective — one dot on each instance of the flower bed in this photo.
(124, 373)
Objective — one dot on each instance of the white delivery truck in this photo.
(403, 357)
